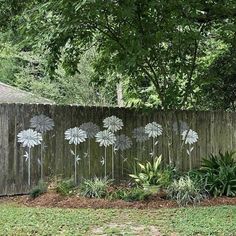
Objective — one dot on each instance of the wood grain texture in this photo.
(216, 130)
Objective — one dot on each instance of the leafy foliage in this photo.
(185, 191)
(65, 186)
(95, 188)
(38, 190)
(219, 78)
(152, 174)
(130, 194)
(219, 172)
(159, 50)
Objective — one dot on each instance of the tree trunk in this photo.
(119, 91)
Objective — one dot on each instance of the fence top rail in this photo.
(134, 109)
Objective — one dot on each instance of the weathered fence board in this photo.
(216, 130)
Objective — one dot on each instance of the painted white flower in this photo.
(123, 142)
(29, 138)
(189, 136)
(181, 127)
(105, 138)
(41, 123)
(140, 135)
(113, 123)
(90, 128)
(153, 130)
(75, 135)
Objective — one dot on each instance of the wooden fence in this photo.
(216, 130)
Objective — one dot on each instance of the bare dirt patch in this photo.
(129, 228)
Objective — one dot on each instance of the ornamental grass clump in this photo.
(95, 188)
(39, 189)
(185, 191)
(129, 194)
(65, 187)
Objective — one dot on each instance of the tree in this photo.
(218, 90)
(155, 43)
(158, 48)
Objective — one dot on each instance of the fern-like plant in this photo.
(185, 191)
(95, 188)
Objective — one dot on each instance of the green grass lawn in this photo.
(19, 220)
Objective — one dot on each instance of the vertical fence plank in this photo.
(216, 130)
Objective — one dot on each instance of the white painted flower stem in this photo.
(105, 162)
(122, 163)
(153, 149)
(75, 165)
(29, 173)
(41, 160)
(112, 162)
(141, 150)
(89, 157)
(190, 158)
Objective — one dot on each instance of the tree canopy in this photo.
(164, 52)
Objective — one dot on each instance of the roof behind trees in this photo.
(9, 94)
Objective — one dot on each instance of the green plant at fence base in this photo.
(185, 191)
(152, 174)
(95, 188)
(65, 187)
(219, 173)
(129, 194)
(38, 190)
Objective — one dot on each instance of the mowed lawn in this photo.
(20, 220)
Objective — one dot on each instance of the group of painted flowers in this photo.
(29, 138)
(40, 124)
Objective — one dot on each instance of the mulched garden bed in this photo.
(56, 200)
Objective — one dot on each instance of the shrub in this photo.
(149, 173)
(65, 186)
(129, 195)
(95, 188)
(153, 174)
(38, 190)
(219, 172)
(185, 191)
(168, 174)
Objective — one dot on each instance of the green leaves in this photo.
(160, 48)
(150, 173)
(219, 172)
